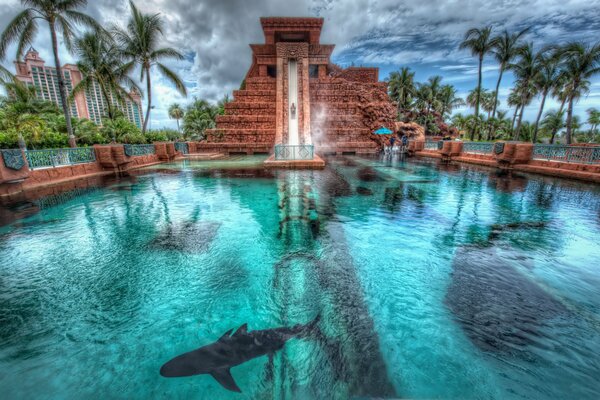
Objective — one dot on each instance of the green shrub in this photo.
(122, 131)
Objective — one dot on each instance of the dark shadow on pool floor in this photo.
(498, 308)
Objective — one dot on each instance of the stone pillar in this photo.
(279, 102)
(160, 148)
(446, 150)
(305, 100)
(456, 148)
(13, 170)
(171, 151)
(506, 156)
(523, 153)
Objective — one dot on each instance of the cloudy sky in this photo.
(389, 34)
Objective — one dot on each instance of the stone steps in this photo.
(256, 92)
(241, 135)
(245, 118)
(261, 79)
(236, 125)
(255, 106)
(252, 86)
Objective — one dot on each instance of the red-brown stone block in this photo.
(338, 109)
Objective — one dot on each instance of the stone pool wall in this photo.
(17, 177)
(516, 156)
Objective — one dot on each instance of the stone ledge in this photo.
(316, 163)
(561, 173)
(428, 153)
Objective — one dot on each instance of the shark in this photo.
(217, 359)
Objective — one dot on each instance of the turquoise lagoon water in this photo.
(432, 281)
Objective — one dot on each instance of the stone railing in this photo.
(580, 162)
(50, 158)
(294, 152)
(138, 149)
(182, 147)
(25, 169)
(478, 147)
(568, 154)
(431, 145)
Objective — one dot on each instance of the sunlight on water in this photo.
(431, 281)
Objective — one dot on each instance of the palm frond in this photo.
(173, 78)
(15, 29)
(166, 52)
(65, 5)
(66, 29)
(82, 19)
(26, 38)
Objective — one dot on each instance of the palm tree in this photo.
(553, 122)
(525, 70)
(546, 79)
(505, 48)
(514, 100)
(593, 119)
(449, 100)
(479, 42)
(488, 103)
(402, 88)
(5, 76)
(581, 62)
(176, 113)
(100, 64)
(459, 121)
(139, 43)
(221, 104)
(60, 15)
(22, 100)
(199, 116)
(428, 94)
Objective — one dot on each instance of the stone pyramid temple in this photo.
(294, 95)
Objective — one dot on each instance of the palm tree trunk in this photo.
(108, 105)
(149, 88)
(570, 119)
(61, 86)
(560, 110)
(497, 88)
(512, 126)
(476, 130)
(539, 116)
(517, 132)
(178, 130)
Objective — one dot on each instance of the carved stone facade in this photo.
(337, 110)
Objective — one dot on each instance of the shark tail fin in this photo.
(223, 376)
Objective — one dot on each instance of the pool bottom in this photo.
(139, 272)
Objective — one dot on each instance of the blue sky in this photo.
(388, 34)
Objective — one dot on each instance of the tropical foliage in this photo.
(106, 60)
(61, 16)
(140, 44)
(199, 116)
(562, 72)
(428, 103)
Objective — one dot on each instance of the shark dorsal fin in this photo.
(241, 330)
(225, 335)
(223, 376)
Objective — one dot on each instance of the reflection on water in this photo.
(431, 281)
